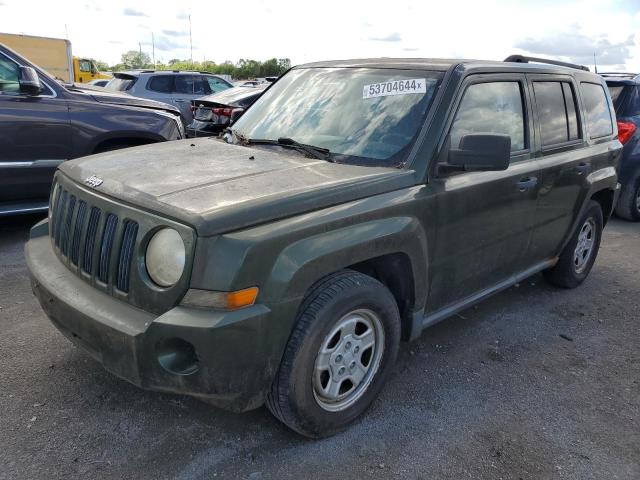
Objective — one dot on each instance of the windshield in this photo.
(364, 116)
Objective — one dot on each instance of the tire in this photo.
(629, 203)
(344, 302)
(574, 264)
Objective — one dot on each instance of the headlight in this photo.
(165, 257)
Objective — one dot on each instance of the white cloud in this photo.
(309, 31)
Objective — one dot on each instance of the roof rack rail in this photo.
(525, 59)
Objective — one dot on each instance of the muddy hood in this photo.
(217, 187)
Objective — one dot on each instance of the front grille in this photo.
(102, 241)
(126, 253)
(91, 244)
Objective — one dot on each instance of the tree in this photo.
(136, 59)
(100, 65)
(284, 64)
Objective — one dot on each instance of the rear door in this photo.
(187, 88)
(35, 137)
(565, 163)
(160, 88)
(485, 219)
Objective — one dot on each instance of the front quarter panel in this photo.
(285, 258)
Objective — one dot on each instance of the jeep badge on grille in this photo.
(93, 181)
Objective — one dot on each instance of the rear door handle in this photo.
(583, 168)
(527, 183)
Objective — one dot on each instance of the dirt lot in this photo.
(534, 383)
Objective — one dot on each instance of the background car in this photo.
(213, 113)
(102, 82)
(43, 123)
(176, 88)
(625, 93)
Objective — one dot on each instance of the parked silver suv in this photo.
(176, 88)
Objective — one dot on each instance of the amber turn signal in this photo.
(220, 300)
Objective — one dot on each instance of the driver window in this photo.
(493, 107)
(85, 66)
(8, 76)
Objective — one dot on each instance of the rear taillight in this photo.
(222, 111)
(625, 131)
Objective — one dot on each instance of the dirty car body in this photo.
(384, 203)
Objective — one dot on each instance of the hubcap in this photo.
(584, 248)
(348, 360)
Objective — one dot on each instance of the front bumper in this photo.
(224, 358)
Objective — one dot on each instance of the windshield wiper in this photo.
(316, 152)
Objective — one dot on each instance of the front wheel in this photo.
(578, 257)
(339, 355)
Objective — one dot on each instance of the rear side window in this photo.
(556, 104)
(192, 85)
(494, 107)
(161, 84)
(597, 110)
(615, 92)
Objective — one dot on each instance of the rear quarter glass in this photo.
(599, 121)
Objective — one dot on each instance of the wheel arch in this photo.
(392, 250)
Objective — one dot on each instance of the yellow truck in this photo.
(53, 55)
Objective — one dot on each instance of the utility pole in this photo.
(191, 41)
(153, 50)
(595, 65)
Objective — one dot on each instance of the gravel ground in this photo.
(533, 383)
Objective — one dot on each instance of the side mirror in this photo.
(29, 81)
(481, 151)
(236, 113)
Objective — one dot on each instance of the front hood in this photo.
(217, 187)
(116, 98)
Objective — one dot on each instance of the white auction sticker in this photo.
(395, 87)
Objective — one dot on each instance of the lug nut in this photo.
(341, 371)
(353, 365)
(347, 345)
(338, 358)
(356, 350)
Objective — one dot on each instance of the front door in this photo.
(484, 220)
(35, 137)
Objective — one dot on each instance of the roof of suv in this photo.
(444, 64)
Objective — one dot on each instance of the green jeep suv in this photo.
(353, 205)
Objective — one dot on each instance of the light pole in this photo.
(190, 41)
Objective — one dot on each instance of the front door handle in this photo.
(583, 168)
(527, 183)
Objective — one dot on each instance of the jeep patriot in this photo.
(353, 205)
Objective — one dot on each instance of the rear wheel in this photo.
(629, 204)
(339, 355)
(578, 257)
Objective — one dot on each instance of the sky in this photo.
(336, 29)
